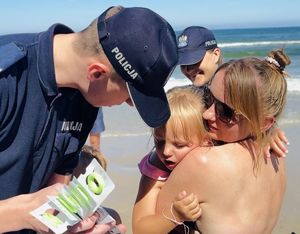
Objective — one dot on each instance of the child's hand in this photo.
(277, 143)
(186, 207)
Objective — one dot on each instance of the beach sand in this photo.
(123, 152)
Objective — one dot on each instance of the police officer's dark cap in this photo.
(193, 43)
(142, 48)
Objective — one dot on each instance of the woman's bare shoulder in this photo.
(212, 158)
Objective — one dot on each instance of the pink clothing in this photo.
(147, 169)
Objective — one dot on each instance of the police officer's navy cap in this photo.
(193, 43)
(142, 48)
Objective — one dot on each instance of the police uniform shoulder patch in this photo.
(9, 54)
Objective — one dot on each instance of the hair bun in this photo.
(278, 58)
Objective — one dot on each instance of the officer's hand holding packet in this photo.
(77, 200)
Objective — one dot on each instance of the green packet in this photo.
(77, 200)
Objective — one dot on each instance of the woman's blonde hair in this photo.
(186, 107)
(257, 89)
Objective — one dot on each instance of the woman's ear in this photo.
(269, 121)
(97, 71)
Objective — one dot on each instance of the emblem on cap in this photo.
(182, 41)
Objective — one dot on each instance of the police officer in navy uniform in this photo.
(51, 84)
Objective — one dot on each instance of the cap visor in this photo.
(189, 57)
(153, 108)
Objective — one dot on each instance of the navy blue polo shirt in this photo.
(42, 128)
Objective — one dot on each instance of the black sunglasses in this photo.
(223, 112)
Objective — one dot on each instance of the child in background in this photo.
(97, 130)
(183, 132)
(87, 154)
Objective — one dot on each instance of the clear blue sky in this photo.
(37, 15)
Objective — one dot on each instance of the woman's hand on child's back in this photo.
(278, 144)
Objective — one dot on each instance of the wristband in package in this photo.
(77, 200)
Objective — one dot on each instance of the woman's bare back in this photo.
(235, 196)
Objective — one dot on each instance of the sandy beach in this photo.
(124, 151)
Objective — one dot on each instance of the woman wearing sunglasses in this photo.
(239, 189)
(199, 57)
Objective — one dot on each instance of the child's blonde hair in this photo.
(186, 107)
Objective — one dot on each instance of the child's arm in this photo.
(146, 221)
(277, 144)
